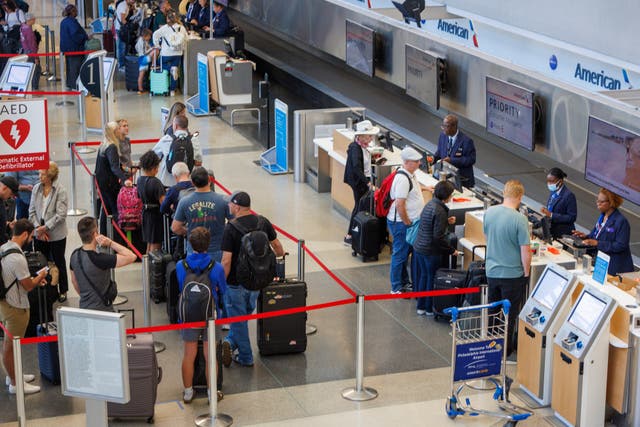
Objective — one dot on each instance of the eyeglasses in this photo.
(601, 202)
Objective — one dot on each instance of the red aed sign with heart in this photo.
(14, 133)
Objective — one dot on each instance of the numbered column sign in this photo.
(24, 135)
(90, 76)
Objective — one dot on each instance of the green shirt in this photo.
(506, 230)
(159, 20)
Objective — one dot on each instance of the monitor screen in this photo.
(586, 312)
(613, 159)
(107, 68)
(550, 287)
(359, 47)
(509, 111)
(422, 76)
(18, 74)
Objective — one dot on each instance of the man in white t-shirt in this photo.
(405, 209)
(124, 10)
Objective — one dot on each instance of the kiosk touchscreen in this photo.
(108, 65)
(17, 77)
(580, 360)
(540, 319)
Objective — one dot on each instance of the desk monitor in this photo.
(613, 159)
(107, 70)
(422, 75)
(18, 74)
(587, 312)
(360, 42)
(550, 287)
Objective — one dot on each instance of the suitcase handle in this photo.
(473, 251)
(159, 374)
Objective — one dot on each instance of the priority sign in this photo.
(24, 135)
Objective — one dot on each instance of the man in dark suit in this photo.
(456, 148)
(357, 170)
(193, 11)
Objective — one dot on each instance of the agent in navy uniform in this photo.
(193, 11)
(561, 206)
(221, 23)
(457, 149)
(611, 233)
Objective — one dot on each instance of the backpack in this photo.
(181, 150)
(4, 290)
(129, 208)
(11, 43)
(256, 262)
(195, 303)
(382, 196)
(175, 39)
(22, 5)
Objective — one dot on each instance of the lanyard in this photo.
(600, 225)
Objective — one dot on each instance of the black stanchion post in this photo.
(146, 298)
(47, 70)
(53, 77)
(310, 328)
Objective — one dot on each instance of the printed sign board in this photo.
(24, 135)
(478, 359)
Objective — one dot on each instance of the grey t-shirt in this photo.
(14, 266)
(207, 210)
(506, 230)
(96, 266)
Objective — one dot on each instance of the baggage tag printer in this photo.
(540, 319)
(580, 360)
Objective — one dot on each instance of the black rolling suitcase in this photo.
(157, 271)
(172, 291)
(199, 369)
(282, 334)
(49, 294)
(476, 276)
(48, 357)
(447, 279)
(131, 72)
(366, 235)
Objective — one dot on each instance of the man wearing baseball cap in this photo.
(8, 189)
(405, 209)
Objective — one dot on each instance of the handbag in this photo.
(412, 231)
(111, 292)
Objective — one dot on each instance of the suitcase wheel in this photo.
(150, 420)
(354, 253)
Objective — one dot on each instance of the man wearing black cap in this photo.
(239, 300)
(8, 189)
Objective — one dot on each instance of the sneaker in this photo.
(28, 389)
(187, 396)
(421, 312)
(396, 292)
(226, 353)
(347, 240)
(62, 297)
(27, 379)
(428, 313)
(220, 395)
(407, 288)
(172, 93)
(237, 360)
(226, 327)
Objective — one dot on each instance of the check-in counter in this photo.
(194, 46)
(230, 80)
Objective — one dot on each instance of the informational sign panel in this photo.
(478, 359)
(90, 76)
(203, 83)
(359, 47)
(164, 116)
(601, 267)
(282, 133)
(422, 76)
(24, 135)
(510, 112)
(93, 354)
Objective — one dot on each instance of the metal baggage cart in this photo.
(479, 353)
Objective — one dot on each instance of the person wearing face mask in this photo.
(561, 206)
(611, 233)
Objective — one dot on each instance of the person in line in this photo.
(220, 23)
(561, 207)
(124, 11)
(163, 146)
(171, 39)
(458, 149)
(91, 269)
(405, 209)
(14, 309)
(177, 109)
(431, 243)
(508, 254)
(8, 189)
(26, 181)
(109, 175)
(72, 39)
(30, 45)
(198, 263)
(611, 234)
(202, 208)
(357, 171)
(124, 145)
(161, 17)
(239, 300)
(146, 54)
(48, 214)
(13, 15)
(184, 186)
(151, 193)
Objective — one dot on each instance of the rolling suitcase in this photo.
(48, 357)
(199, 369)
(171, 291)
(144, 377)
(131, 72)
(157, 270)
(450, 261)
(447, 279)
(159, 80)
(476, 276)
(365, 236)
(283, 334)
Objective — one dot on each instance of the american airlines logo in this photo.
(596, 78)
(453, 28)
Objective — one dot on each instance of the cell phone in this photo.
(45, 268)
(195, 134)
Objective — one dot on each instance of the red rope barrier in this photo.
(222, 187)
(18, 92)
(406, 295)
(84, 165)
(330, 273)
(284, 233)
(121, 233)
(86, 143)
(6, 332)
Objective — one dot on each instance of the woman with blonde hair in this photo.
(110, 175)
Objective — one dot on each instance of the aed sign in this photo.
(24, 135)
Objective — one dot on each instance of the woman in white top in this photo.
(171, 39)
(13, 15)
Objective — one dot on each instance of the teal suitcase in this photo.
(159, 81)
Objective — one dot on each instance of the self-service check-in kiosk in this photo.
(580, 360)
(540, 318)
(16, 76)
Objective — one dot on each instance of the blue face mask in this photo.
(552, 187)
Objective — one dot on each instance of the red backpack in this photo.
(129, 208)
(382, 196)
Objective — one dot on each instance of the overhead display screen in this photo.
(422, 75)
(510, 112)
(586, 313)
(359, 47)
(549, 289)
(613, 159)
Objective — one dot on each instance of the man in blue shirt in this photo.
(183, 187)
(26, 181)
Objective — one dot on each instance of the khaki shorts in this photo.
(14, 319)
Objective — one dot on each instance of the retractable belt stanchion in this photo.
(47, 70)
(360, 393)
(146, 297)
(310, 328)
(213, 418)
(63, 78)
(17, 366)
(54, 76)
(73, 211)
(119, 299)
(94, 196)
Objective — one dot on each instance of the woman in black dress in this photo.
(151, 192)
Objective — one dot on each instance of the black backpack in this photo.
(256, 262)
(4, 290)
(11, 43)
(181, 150)
(195, 303)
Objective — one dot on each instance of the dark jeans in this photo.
(54, 251)
(512, 290)
(73, 70)
(22, 209)
(357, 195)
(424, 277)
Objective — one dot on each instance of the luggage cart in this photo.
(478, 352)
